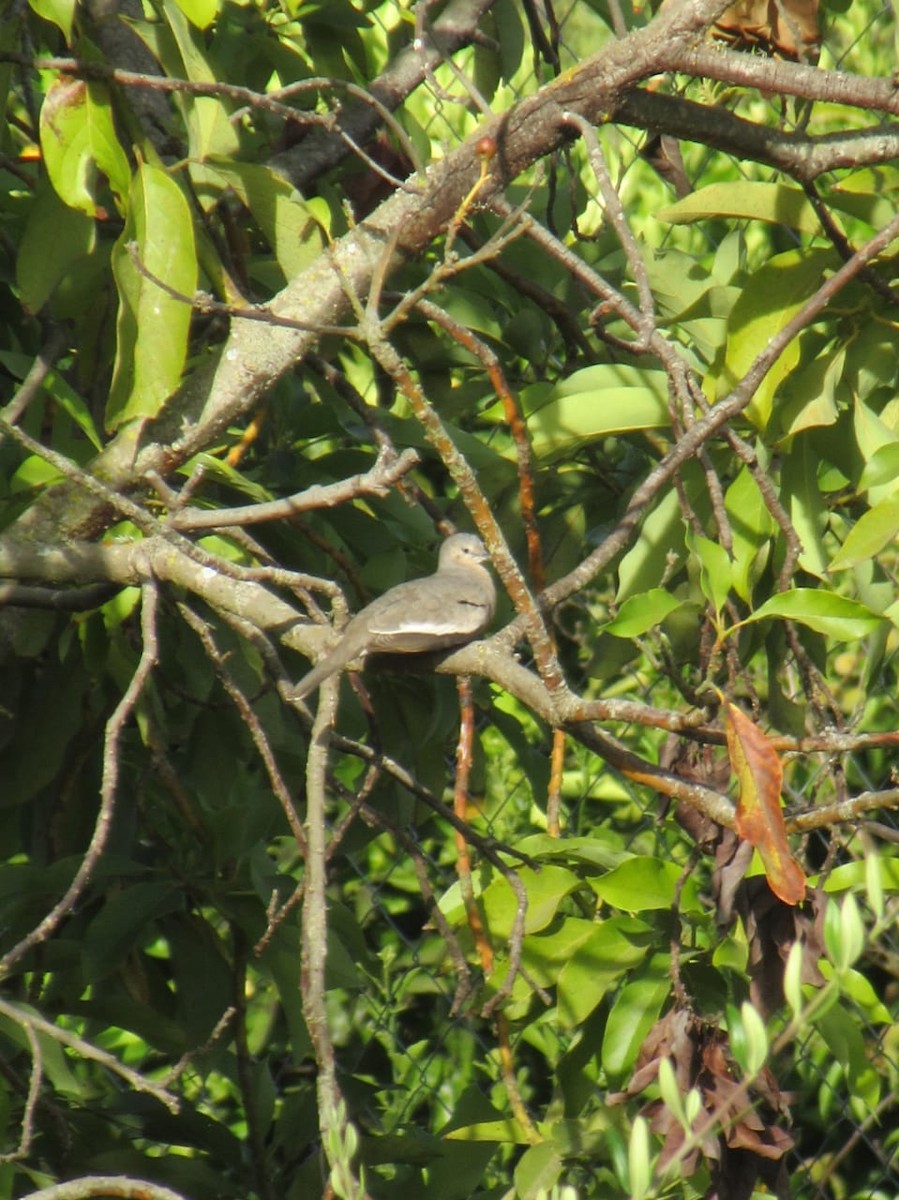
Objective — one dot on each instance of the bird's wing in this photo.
(429, 614)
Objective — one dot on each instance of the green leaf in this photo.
(855, 875)
(834, 616)
(640, 613)
(771, 296)
(873, 530)
(537, 1171)
(112, 934)
(210, 129)
(73, 404)
(776, 203)
(715, 569)
(749, 1039)
(844, 932)
(635, 1011)
(546, 889)
(752, 527)
(616, 946)
(200, 12)
(840, 1030)
(53, 1056)
(60, 12)
(56, 236)
(874, 435)
(505, 1130)
(881, 467)
(639, 1160)
(79, 143)
(812, 402)
(544, 955)
(793, 978)
(659, 549)
(594, 403)
(803, 501)
(294, 228)
(153, 325)
(644, 883)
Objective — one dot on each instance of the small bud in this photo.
(485, 147)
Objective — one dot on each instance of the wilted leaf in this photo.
(785, 27)
(759, 817)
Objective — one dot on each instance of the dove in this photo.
(448, 608)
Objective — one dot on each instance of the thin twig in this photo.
(108, 786)
(26, 1018)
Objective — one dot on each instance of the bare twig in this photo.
(108, 786)
(26, 1019)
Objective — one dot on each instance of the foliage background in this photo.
(171, 828)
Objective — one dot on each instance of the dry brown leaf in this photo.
(785, 27)
(759, 817)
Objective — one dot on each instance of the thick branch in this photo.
(796, 154)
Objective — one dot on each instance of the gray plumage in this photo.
(448, 608)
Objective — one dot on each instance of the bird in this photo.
(448, 608)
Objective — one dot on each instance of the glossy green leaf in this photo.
(640, 613)
(545, 954)
(594, 403)
(776, 203)
(546, 889)
(616, 946)
(855, 875)
(834, 616)
(812, 399)
(873, 530)
(80, 145)
(181, 49)
(505, 1130)
(643, 883)
(606, 851)
(73, 404)
(874, 436)
(152, 325)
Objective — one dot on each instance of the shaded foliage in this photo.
(292, 292)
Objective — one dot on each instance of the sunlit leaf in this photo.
(776, 203)
(153, 324)
(640, 613)
(770, 297)
(60, 12)
(80, 145)
(873, 530)
(835, 616)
